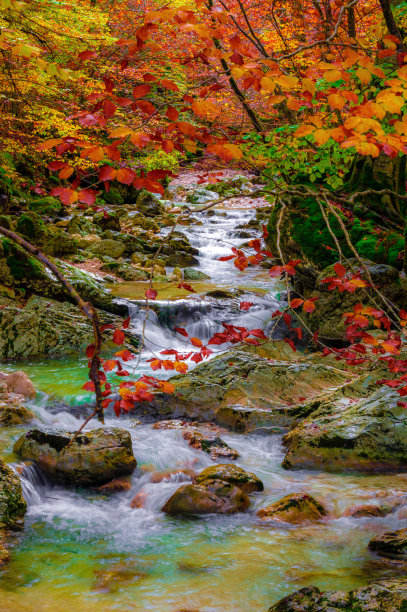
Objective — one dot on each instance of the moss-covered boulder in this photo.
(201, 195)
(383, 596)
(95, 457)
(369, 434)
(284, 391)
(31, 226)
(107, 248)
(59, 243)
(149, 204)
(214, 497)
(237, 476)
(390, 543)
(107, 221)
(12, 504)
(296, 508)
(45, 327)
(48, 206)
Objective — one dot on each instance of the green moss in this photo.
(46, 206)
(31, 226)
(21, 265)
(308, 229)
(113, 196)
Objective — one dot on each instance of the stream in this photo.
(83, 550)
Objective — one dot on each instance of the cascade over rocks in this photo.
(95, 457)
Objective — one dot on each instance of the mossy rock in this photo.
(7, 221)
(383, 596)
(94, 458)
(297, 508)
(145, 223)
(149, 204)
(113, 196)
(390, 543)
(304, 235)
(368, 435)
(12, 504)
(215, 497)
(79, 224)
(107, 247)
(59, 243)
(246, 481)
(107, 221)
(31, 226)
(48, 206)
(13, 411)
(193, 275)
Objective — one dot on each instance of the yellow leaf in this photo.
(363, 75)
(189, 145)
(390, 101)
(332, 75)
(308, 85)
(336, 101)
(204, 108)
(275, 99)
(293, 104)
(304, 130)
(120, 132)
(267, 84)
(321, 136)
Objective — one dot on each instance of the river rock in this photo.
(107, 248)
(390, 543)
(237, 476)
(107, 221)
(215, 497)
(194, 275)
(285, 391)
(369, 510)
(369, 434)
(13, 411)
(202, 196)
(203, 437)
(4, 553)
(118, 485)
(12, 503)
(148, 204)
(383, 596)
(95, 457)
(18, 382)
(296, 508)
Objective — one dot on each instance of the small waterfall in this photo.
(33, 482)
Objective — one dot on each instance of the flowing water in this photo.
(83, 550)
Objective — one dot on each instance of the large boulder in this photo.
(237, 476)
(383, 596)
(296, 508)
(45, 327)
(390, 543)
(369, 434)
(95, 457)
(12, 504)
(283, 392)
(214, 497)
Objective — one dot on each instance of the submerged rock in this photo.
(368, 435)
(13, 411)
(295, 508)
(95, 457)
(367, 510)
(214, 497)
(12, 503)
(237, 476)
(383, 596)
(390, 543)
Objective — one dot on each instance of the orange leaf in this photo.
(196, 342)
